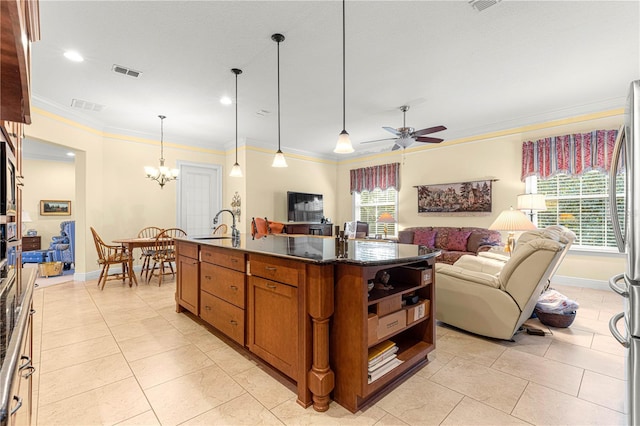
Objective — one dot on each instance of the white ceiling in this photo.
(513, 64)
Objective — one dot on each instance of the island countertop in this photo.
(319, 249)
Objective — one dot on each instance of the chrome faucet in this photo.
(235, 233)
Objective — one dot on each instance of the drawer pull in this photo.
(31, 369)
(234, 260)
(207, 307)
(18, 405)
(234, 287)
(271, 268)
(271, 286)
(208, 277)
(233, 322)
(27, 363)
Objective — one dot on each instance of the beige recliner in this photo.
(493, 295)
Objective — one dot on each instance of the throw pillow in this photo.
(425, 237)
(458, 240)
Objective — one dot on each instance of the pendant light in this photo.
(162, 174)
(343, 146)
(278, 160)
(236, 171)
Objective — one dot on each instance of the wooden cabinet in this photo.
(325, 229)
(273, 321)
(187, 285)
(222, 290)
(24, 381)
(31, 243)
(356, 310)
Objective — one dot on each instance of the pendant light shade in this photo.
(278, 160)
(236, 171)
(344, 143)
(162, 174)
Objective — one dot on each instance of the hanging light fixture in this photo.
(162, 174)
(278, 160)
(236, 171)
(344, 143)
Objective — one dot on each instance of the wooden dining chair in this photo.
(147, 252)
(164, 253)
(111, 255)
(221, 229)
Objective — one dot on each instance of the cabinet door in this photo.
(24, 385)
(273, 324)
(187, 284)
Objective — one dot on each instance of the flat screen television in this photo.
(303, 207)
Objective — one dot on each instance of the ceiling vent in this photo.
(125, 71)
(262, 113)
(87, 106)
(481, 5)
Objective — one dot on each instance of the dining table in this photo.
(132, 243)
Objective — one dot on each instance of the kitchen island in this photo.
(301, 304)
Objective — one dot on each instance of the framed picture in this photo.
(55, 208)
(466, 198)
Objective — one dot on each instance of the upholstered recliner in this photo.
(62, 247)
(494, 296)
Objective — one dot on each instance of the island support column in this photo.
(320, 304)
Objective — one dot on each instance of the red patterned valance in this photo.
(571, 155)
(384, 177)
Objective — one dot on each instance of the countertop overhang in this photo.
(320, 249)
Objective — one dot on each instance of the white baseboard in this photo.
(580, 282)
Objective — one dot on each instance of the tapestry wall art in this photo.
(465, 197)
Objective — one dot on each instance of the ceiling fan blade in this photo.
(391, 130)
(396, 147)
(429, 130)
(380, 140)
(428, 139)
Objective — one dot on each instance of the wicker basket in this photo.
(555, 320)
(50, 269)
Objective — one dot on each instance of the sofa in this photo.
(453, 242)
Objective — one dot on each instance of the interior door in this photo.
(199, 197)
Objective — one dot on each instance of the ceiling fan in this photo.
(406, 136)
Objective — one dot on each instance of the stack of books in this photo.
(382, 359)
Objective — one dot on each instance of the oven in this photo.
(9, 234)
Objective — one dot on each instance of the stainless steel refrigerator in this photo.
(627, 284)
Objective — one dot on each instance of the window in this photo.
(581, 203)
(369, 205)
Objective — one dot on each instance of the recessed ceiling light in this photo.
(71, 154)
(74, 56)
(225, 100)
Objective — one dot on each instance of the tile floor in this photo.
(124, 356)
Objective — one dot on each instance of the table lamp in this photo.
(512, 220)
(26, 218)
(385, 218)
(532, 202)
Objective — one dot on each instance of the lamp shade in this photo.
(386, 217)
(512, 220)
(532, 202)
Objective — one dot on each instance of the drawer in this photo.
(224, 283)
(187, 249)
(281, 270)
(228, 258)
(224, 316)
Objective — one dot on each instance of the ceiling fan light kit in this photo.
(236, 171)
(343, 146)
(405, 136)
(278, 160)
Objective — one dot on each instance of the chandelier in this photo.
(162, 174)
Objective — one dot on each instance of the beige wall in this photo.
(485, 157)
(47, 180)
(112, 194)
(111, 191)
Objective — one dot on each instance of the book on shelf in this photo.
(380, 349)
(375, 375)
(383, 356)
(380, 364)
